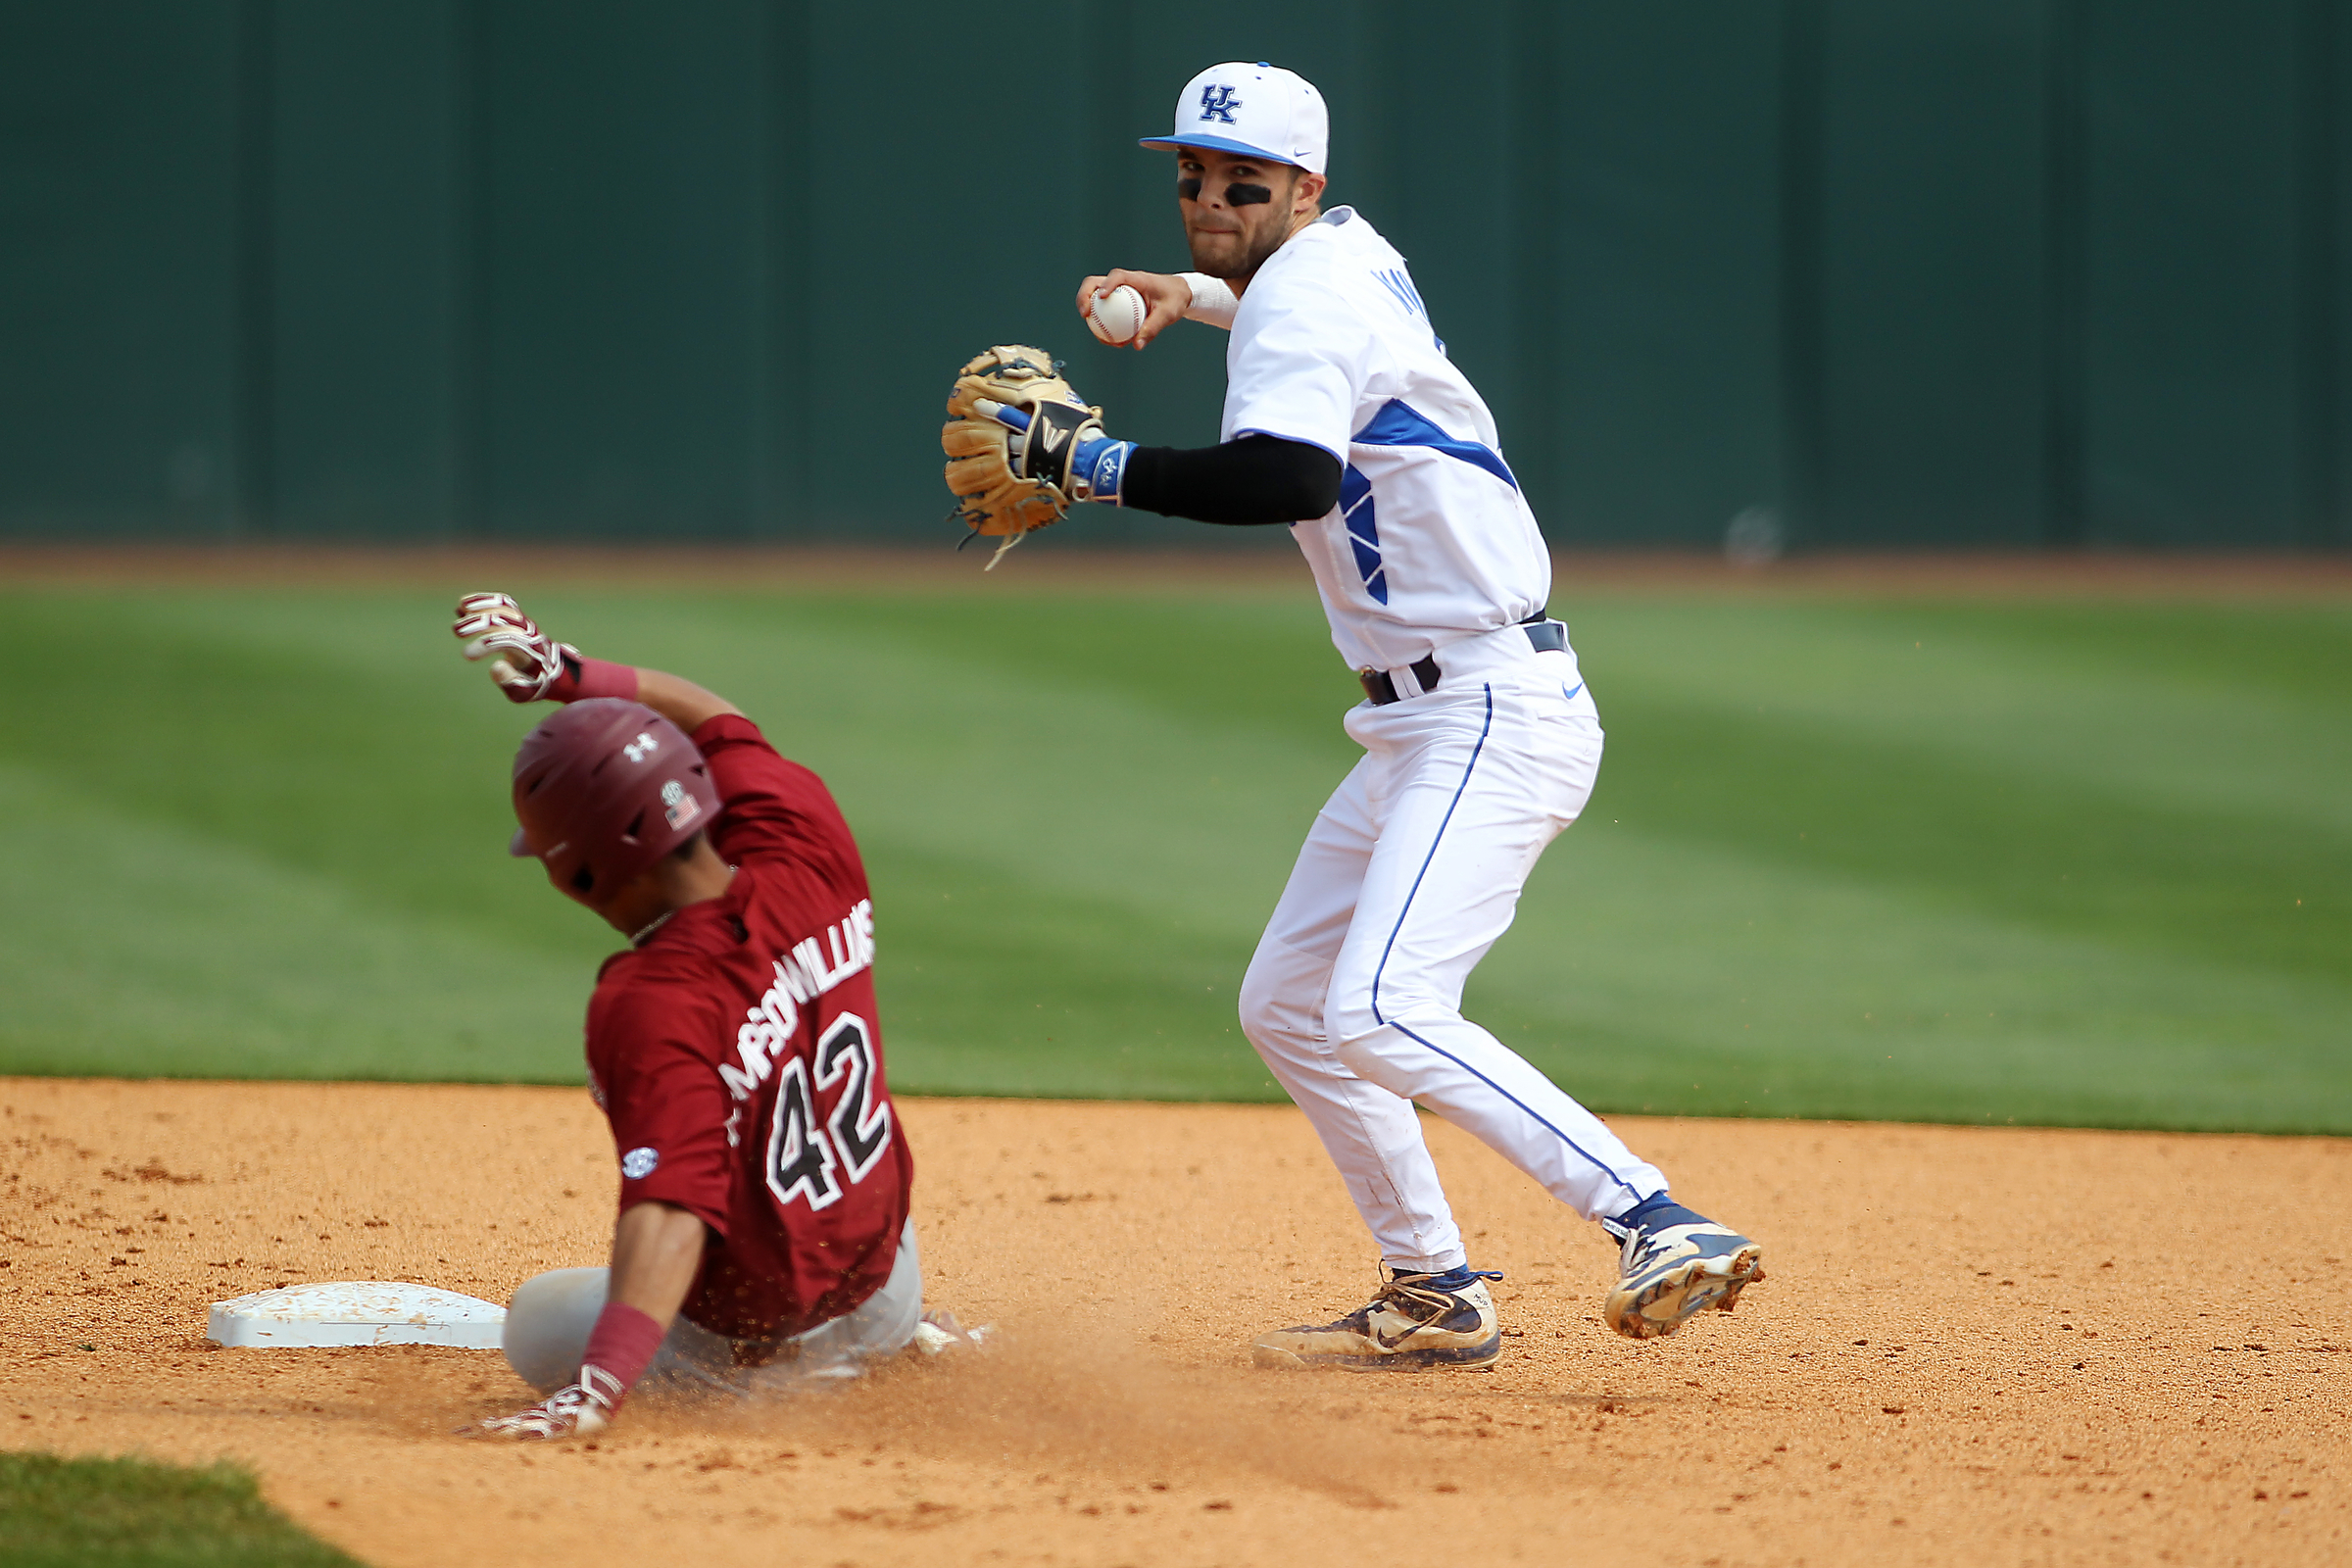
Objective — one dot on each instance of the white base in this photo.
(357, 1312)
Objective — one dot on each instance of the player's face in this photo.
(1237, 211)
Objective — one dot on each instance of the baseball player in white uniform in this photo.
(1345, 420)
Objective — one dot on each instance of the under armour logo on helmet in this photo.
(1218, 103)
(640, 748)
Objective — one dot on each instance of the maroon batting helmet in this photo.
(604, 788)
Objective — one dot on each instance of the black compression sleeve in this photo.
(1255, 479)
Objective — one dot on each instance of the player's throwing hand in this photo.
(1166, 298)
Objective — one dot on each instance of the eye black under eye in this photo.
(1189, 189)
(1237, 195)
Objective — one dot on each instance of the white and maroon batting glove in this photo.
(620, 1347)
(577, 1411)
(529, 665)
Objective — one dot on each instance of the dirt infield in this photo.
(1066, 564)
(1982, 1345)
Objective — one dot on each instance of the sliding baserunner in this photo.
(763, 1236)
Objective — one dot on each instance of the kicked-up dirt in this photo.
(1975, 1346)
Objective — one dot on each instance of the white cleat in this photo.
(1666, 1276)
(1410, 1326)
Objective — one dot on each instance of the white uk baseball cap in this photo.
(1259, 111)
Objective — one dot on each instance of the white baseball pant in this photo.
(1413, 870)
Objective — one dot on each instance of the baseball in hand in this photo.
(1117, 316)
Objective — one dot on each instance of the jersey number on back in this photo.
(802, 1162)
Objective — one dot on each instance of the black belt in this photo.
(1545, 635)
(1381, 686)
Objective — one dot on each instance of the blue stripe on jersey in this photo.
(1399, 426)
(1401, 285)
(1363, 530)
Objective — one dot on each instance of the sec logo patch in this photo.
(638, 1163)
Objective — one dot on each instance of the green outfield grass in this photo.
(1962, 860)
(131, 1513)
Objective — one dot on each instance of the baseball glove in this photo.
(1009, 482)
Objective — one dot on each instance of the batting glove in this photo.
(1098, 469)
(524, 660)
(580, 1410)
(1089, 468)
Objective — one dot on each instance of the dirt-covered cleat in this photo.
(1667, 1274)
(938, 1332)
(1416, 1322)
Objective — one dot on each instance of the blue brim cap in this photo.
(1221, 144)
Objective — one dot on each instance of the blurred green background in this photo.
(2062, 860)
(1948, 272)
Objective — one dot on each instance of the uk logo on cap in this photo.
(1253, 111)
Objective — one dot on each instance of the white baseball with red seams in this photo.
(1117, 316)
(1414, 866)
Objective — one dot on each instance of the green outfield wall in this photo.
(1870, 272)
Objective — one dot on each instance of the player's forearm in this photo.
(657, 1252)
(680, 701)
(1253, 480)
(674, 697)
(532, 666)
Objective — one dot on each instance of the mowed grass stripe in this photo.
(329, 737)
(1090, 805)
(1117, 1010)
(1682, 975)
(2208, 707)
(2219, 886)
(154, 950)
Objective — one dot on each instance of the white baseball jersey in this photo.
(1430, 541)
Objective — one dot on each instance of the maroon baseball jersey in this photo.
(737, 1055)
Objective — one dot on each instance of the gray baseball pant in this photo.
(547, 1325)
